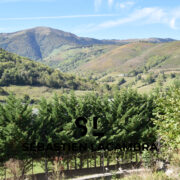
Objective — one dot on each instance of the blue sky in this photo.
(102, 19)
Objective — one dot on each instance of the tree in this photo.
(150, 79)
(121, 81)
(15, 126)
(17, 70)
(131, 118)
(168, 117)
(172, 75)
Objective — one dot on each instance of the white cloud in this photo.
(149, 15)
(126, 4)
(99, 3)
(137, 15)
(172, 23)
(57, 17)
(176, 16)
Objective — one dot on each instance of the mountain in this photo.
(17, 70)
(119, 58)
(38, 43)
(136, 56)
(150, 40)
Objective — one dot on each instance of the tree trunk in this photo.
(107, 160)
(75, 163)
(87, 162)
(46, 168)
(5, 173)
(67, 164)
(136, 158)
(95, 160)
(81, 163)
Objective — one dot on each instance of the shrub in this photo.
(121, 81)
(168, 118)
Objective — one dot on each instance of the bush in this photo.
(3, 92)
(108, 79)
(168, 117)
(121, 81)
(150, 79)
(173, 75)
(18, 168)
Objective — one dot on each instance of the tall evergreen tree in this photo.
(15, 127)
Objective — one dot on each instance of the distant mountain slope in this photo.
(69, 58)
(17, 70)
(150, 40)
(124, 58)
(38, 43)
(164, 56)
(116, 59)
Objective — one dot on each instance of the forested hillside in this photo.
(16, 70)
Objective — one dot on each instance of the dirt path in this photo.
(122, 172)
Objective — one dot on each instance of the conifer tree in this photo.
(15, 127)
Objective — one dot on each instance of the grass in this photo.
(140, 85)
(37, 93)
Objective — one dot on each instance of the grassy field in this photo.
(140, 84)
(36, 93)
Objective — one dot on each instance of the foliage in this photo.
(18, 168)
(175, 159)
(109, 79)
(3, 92)
(148, 159)
(173, 75)
(150, 79)
(168, 117)
(154, 61)
(73, 57)
(121, 81)
(15, 126)
(57, 170)
(16, 70)
(124, 118)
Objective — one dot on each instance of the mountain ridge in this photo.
(37, 43)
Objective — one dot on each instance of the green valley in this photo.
(35, 79)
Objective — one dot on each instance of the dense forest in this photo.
(127, 118)
(16, 70)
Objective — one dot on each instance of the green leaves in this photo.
(17, 70)
(168, 117)
(15, 125)
(124, 119)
